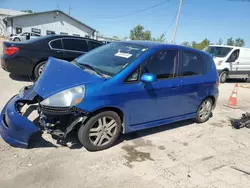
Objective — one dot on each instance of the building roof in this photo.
(9, 12)
(36, 13)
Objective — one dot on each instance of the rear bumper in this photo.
(16, 129)
(17, 65)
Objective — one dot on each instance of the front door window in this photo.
(162, 64)
(234, 56)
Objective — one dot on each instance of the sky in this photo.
(199, 19)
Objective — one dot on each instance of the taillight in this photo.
(11, 50)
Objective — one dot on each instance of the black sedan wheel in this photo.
(100, 131)
(39, 69)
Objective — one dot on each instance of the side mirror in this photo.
(148, 78)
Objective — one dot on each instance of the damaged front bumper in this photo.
(15, 128)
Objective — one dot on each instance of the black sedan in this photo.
(28, 58)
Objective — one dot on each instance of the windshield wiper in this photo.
(92, 68)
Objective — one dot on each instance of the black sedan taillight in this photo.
(10, 50)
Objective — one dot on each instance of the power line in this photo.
(135, 12)
(171, 23)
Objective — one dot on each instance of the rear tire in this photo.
(100, 131)
(204, 111)
(39, 69)
(223, 76)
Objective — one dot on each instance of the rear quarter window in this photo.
(56, 44)
(192, 64)
(208, 62)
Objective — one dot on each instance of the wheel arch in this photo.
(225, 69)
(109, 108)
(212, 98)
(17, 38)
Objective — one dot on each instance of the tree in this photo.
(220, 42)
(203, 44)
(138, 33)
(194, 44)
(116, 37)
(230, 41)
(147, 35)
(239, 42)
(186, 43)
(28, 11)
(161, 38)
(125, 38)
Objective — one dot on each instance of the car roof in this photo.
(55, 36)
(228, 46)
(153, 44)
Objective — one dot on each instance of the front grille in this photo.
(59, 110)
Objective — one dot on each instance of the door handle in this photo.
(60, 52)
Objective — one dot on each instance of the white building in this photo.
(3, 14)
(46, 23)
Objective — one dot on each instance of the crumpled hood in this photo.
(60, 75)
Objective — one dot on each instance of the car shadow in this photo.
(72, 141)
(236, 81)
(154, 130)
(20, 78)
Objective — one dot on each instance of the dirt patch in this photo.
(161, 147)
(133, 155)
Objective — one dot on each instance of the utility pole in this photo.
(177, 22)
(69, 10)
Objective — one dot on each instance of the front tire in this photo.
(39, 69)
(100, 131)
(204, 111)
(223, 76)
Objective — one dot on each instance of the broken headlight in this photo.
(66, 98)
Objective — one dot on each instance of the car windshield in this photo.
(218, 51)
(111, 58)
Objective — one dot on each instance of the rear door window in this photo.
(93, 45)
(56, 44)
(192, 64)
(75, 45)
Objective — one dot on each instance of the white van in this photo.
(231, 61)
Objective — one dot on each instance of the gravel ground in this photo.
(178, 155)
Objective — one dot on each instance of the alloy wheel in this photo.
(103, 131)
(40, 70)
(205, 110)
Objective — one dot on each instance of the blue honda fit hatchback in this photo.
(116, 88)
